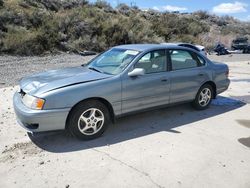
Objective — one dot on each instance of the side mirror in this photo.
(136, 72)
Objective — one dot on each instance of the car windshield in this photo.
(113, 61)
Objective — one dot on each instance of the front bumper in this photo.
(39, 120)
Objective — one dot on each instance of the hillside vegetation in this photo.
(35, 27)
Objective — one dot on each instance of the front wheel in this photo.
(203, 97)
(88, 120)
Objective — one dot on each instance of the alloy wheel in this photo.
(91, 121)
(205, 97)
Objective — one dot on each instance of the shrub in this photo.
(1, 3)
(30, 27)
(22, 42)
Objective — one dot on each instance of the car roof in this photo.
(146, 47)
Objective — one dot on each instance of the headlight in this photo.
(33, 102)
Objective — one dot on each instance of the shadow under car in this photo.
(135, 126)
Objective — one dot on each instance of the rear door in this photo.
(150, 89)
(187, 75)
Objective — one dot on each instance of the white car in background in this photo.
(197, 48)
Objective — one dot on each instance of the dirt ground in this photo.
(171, 147)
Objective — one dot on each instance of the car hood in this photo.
(47, 81)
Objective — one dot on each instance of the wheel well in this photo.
(213, 86)
(103, 101)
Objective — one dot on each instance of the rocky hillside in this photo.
(35, 27)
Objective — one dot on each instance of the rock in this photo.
(41, 163)
(67, 186)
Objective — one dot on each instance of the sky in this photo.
(239, 9)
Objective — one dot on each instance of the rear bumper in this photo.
(222, 86)
(39, 120)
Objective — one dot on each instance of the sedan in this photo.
(125, 79)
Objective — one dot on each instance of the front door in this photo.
(150, 89)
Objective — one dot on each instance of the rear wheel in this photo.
(88, 120)
(203, 97)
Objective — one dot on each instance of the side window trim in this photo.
(194, 56)
(205, 62)
(169, 61)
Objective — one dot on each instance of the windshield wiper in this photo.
(95, 69)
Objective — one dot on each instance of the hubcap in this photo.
(91, 121)
(205, 97)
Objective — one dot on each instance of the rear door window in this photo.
(182, 59)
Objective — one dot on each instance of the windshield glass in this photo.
(113, 61)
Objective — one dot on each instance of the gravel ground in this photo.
(13, 68)
(230, 58)
(171, 147)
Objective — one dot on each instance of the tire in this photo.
(203, 98)
(88, 120)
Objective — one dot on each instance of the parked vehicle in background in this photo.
(123, 80)
(246, 50)
(198, 48)
(221, 50)
(240, 43)
(202, 49)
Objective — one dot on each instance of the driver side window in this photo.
(153, 62)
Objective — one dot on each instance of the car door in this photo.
(150, 89)
(186, 76)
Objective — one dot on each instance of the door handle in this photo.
(201, 74)
(164, 80)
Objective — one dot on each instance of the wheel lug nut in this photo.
(93, 124)
(88, 120)
(95, 120)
